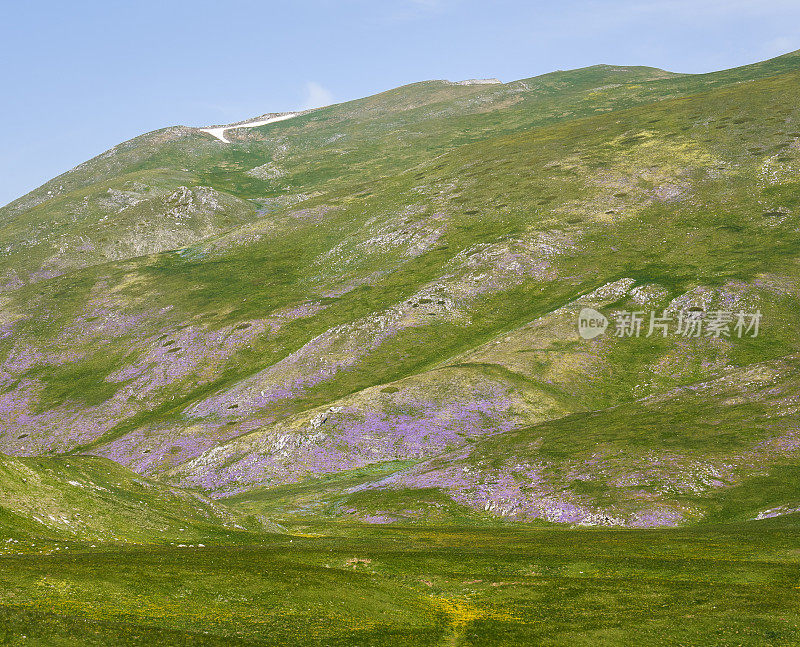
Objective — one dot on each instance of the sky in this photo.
(79, 77)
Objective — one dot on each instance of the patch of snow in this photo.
(219, 132)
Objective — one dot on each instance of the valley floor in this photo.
(359, 585)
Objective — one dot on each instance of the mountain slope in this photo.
(724, 450)
(191, 177)
(94, 499)
(396, 280)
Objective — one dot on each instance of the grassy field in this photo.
(382, 586)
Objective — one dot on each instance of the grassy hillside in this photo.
(106, 208)
(724, 450)
(395, 279)
(94, 499)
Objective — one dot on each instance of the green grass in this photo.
(87, 498)
(733, 585)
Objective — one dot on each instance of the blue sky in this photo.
(79, 77)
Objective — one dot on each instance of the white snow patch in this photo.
(219, 132)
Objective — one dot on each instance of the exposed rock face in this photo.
(478, 82)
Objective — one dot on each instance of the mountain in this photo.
(369, 311)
